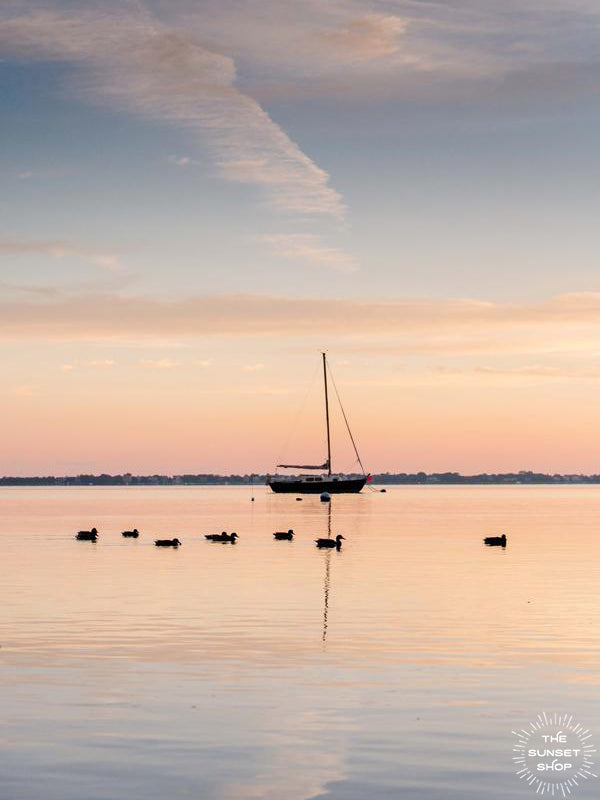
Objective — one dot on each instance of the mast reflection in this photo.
(327, 575)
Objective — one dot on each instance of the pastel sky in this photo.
(201, 195)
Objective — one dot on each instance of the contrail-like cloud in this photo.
(572, 319)
(140, 65)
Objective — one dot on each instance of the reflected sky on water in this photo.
(397, 667)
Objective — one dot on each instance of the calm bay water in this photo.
(396, 668)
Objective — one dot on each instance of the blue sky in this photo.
(442, 199)
(416, 154)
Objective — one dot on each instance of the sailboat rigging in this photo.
(329, 482)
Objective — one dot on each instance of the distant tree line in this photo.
(524, 476)
(133, 480)
(211, 479)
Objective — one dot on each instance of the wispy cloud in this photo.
(35, 291)
(425, 51)
(102, 363)
(561, 372)
(59, 250)
(26, 390)
(308, 248)
(253, 367)
(160, 363)
(566, 323)
(32, 174)
(137, 63)
(182, 161)
(367, 36)
(478, 376)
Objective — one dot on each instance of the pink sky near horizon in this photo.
(168, 415)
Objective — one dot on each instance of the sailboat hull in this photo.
(340, 486)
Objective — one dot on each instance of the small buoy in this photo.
(383, 490)
(325, 497)
(299, 499)
(252, 499)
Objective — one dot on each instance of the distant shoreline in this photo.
(384, 478)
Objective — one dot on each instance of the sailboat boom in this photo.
(304, 466)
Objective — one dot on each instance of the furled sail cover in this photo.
(304, 466)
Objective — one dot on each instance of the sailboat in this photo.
(327, 481)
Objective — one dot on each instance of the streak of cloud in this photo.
(59, 250)
(308, 248)
(550, 371)
(26, 390)
(367, 36)
(102, 363)
(565, 323)
(160, 363)
(136, 63)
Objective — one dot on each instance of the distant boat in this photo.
(327, 481)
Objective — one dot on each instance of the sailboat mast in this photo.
(327, 415)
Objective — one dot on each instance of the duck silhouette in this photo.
(284, 535)
(222, 537)
(167, 542)
(87, 536)
(216, 537)
(131, 534)
(495, 541)
(325, 543)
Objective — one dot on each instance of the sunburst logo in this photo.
(554, 755)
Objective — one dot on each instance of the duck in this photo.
(284, 535)
(221, 537)
(216, 537)
(87, 536)
(131, 534)
(337, 542)
(495, 541)
(167, 542)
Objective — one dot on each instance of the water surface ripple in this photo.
(395, 668)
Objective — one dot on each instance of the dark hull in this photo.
(347, 486)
